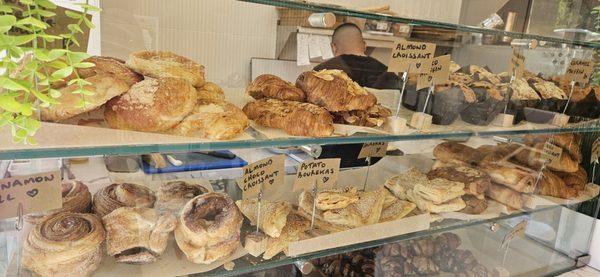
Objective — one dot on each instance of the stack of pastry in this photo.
(313, 104)
(476, 184)
(435, 196)
(153, 91)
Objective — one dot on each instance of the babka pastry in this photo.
(522, 96)
(552, 97)
(161, 64)
(295, 118)
(334, 91)
(137, 235)
(480, 73)
(64, 244)
(214, 120)
(152, 105)
(490, 102)
(271, 86)
(115, 196)
(446, 102)
(585, 101)
(210, 92)
(76, 198)
(273, 215)
(208, 228)
(173, 195)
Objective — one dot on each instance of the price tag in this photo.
(517, 63)
(551, 153)
(373, 149)
(324, 172)
(595, 151)
(580, 71)
(517, 231)
(439, 73)
(417, 55)
(37, 193)
(268, 172)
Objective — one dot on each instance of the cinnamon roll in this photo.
(137, 235)
(76, 198)
(64, 244)
(115, 196)
(209, 228)
(173, 195)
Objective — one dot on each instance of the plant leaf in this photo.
(10, 84)
(46, 4)
(83, 65)
(20, 40)
(72, 14)
(74, 28)
(8, 103)
(31, 21)
(63, 72)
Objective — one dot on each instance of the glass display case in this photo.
(281, 137)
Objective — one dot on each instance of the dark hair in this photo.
(342, 27)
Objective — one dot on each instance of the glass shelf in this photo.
(318, 7)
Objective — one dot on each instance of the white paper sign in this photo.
(302, 55)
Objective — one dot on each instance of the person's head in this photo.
(347, 39)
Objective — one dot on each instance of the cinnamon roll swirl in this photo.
(209, 228)
(64, 244)
(137, 235)
(172, 196)
(76, 198)
(115, 196)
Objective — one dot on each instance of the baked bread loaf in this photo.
(209, 228)
(76, 198)
(137, 235)
(160, 64)
(512, 177)
(152, 105)
(173, 195)
(476, 181)
(336, 198)
(273, 215)
(334, 91)
(212, 120)
(271, 86)
(64, 244)
(115, 196)
(293, 230)
(110, 65)
(505, 196)
(210, 92)
(105, 86)
(295, 118)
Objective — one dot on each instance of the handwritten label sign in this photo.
(37, 193)
(268, 172)
(439, 73)
(551, 153)
(580, 71)
(595, 151)
(516, 64)
(517, 231)
(417, 55)
(324, 172)
(373, 149)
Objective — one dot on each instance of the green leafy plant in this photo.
(32, 69)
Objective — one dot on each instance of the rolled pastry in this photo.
(115, 196)
(209, 228)
(76, 198)
(64, 244)
(210, 92)
(534, 158)
(514, 178)
(172, 196)
(455, 152)
(271, 86)
(505, 196)
(159, 64)
(137, 235)
(552, 185)
(336, 198)
(273, 215)
(569, 142)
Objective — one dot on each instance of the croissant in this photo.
(576, 180)
(552, 185)
(271, 86)
(115, 196)
(76, 198)
(172, 196)
(64, 244)
(137, 235)
(209, 228)
(535, 159)
(505, 196)
(569, 142)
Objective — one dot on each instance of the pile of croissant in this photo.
(153, 91)
(313, 104)
(133, 224)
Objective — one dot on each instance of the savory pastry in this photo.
(64, 244)
(439, 190)
(114, 196)
(505, 196)
(425, 205)
(475, 181)
(105, 86)
(137, 235)
(116, 67)
(212, 120)
(271, 86)
(334, 91)
(397, 210)
(210, 92)
(552, 185)
(474, 205)
(208, 228)
(160, 64)
(336, 198)
(273, 215)
(295, 118)
(305, 209)
(295, 226)
(366, 211)
(372, 117)
(455, 152)
(535, 158)
(569, 142)
(152, 105)
(76, 198)
(512, 177)
(173, 195)
(404, 182)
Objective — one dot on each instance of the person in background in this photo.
(350, 48)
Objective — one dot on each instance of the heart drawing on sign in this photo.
(418, 65)
(32, 193)
(377, 149)
(325, 179)
(271, 182)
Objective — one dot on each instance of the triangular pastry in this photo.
(273, 215)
